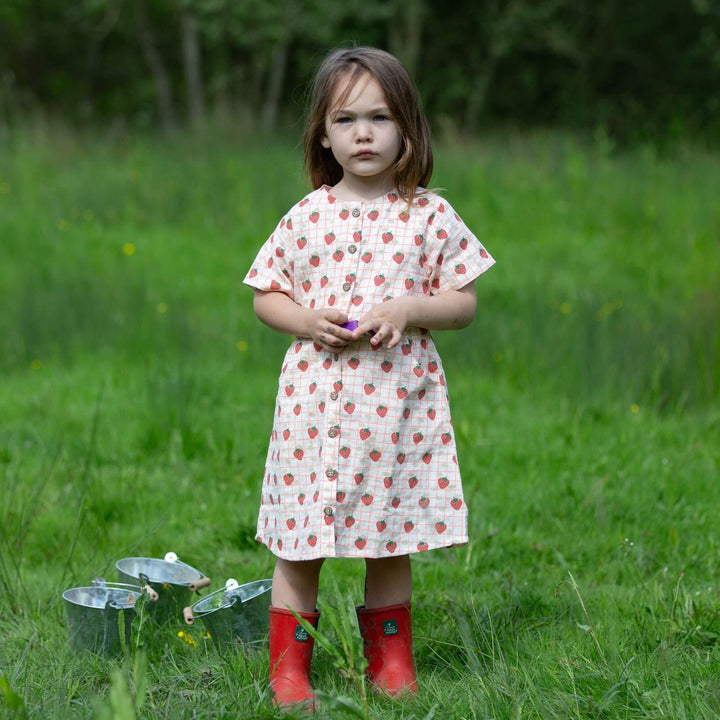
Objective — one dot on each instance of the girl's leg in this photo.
(295, 584)
(388, 581)
(295, 590)
(386, 627)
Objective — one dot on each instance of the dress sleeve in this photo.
(273, 267)
(460, 256)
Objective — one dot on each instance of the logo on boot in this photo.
(390, 627)
(302, 635)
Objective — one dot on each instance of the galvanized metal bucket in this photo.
(99, 618)
(172, 580)
(235, 613)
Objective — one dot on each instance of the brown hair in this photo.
(414, 164)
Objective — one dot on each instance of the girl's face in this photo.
(362, 135)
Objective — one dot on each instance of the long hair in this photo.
(413, 167)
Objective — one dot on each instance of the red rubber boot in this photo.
(291, 649)
(387, 637)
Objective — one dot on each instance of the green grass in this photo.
(136, 398)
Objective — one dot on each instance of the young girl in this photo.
(362, 460)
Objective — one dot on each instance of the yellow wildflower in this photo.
(128, 249)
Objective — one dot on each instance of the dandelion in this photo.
(188, 638)
(162, 308)
(128, 249)
(634, 409)
(241, 345)
(565, 308)
(36, 364)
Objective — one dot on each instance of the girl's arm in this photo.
(450, 310)
(280, 312)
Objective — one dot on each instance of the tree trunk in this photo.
(161, 78)
(276, 81)
(406, 26)
(192, 67)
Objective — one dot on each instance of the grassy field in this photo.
(136, 399)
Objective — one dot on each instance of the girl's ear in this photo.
(325, 142)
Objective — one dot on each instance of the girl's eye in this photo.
(381, 117)
(342, 120)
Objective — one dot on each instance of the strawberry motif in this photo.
(386, 365)
(302, 365)
(312, 540)
(329, 238)
(375, 455)
(422, 545)
(288, 478)
(379, 280)
(456, 503)
(442, 234)
(431, 413)
(440, 527)
(382, 410)
(398, 257)
(373, 215)
(345, 452)
(364, 433)
(408, 526)
(423, 502)
(395, 502)
(349, 407)
(427, 457)
(387, 237)
(391, 546)
(344, 214)
(380, 525)
(291, 523)
(367, 499)
(388, 481)
(404, 216)
(301, 242)
(366, 257)
(314, 217)
(369, 388)
(349, 521)
(358, 477)
(297, 409)
(443, 482)
(412, 482)
(360, 543)
(298, 453)
(353, 362)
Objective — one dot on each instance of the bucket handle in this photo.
(198, 584)
(188, 616)
(148, 588)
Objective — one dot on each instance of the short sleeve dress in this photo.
(362, 459)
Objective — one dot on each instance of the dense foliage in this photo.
(635, 68)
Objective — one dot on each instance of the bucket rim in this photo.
(233, 596)
(67, 594)
(156, 563)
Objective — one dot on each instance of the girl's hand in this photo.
(387, 321)
(324, 328)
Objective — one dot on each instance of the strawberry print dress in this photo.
(362, 459)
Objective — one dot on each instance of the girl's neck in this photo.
(357, 189)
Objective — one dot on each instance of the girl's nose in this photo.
(362, 131)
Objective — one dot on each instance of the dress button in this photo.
(334, 395)
(352, 249)
(346, 286)
(330, 472)
(356, 212)
(328, 511)
(333, 432)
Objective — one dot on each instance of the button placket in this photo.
(331, 457)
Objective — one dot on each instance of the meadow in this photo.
(137, 391)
